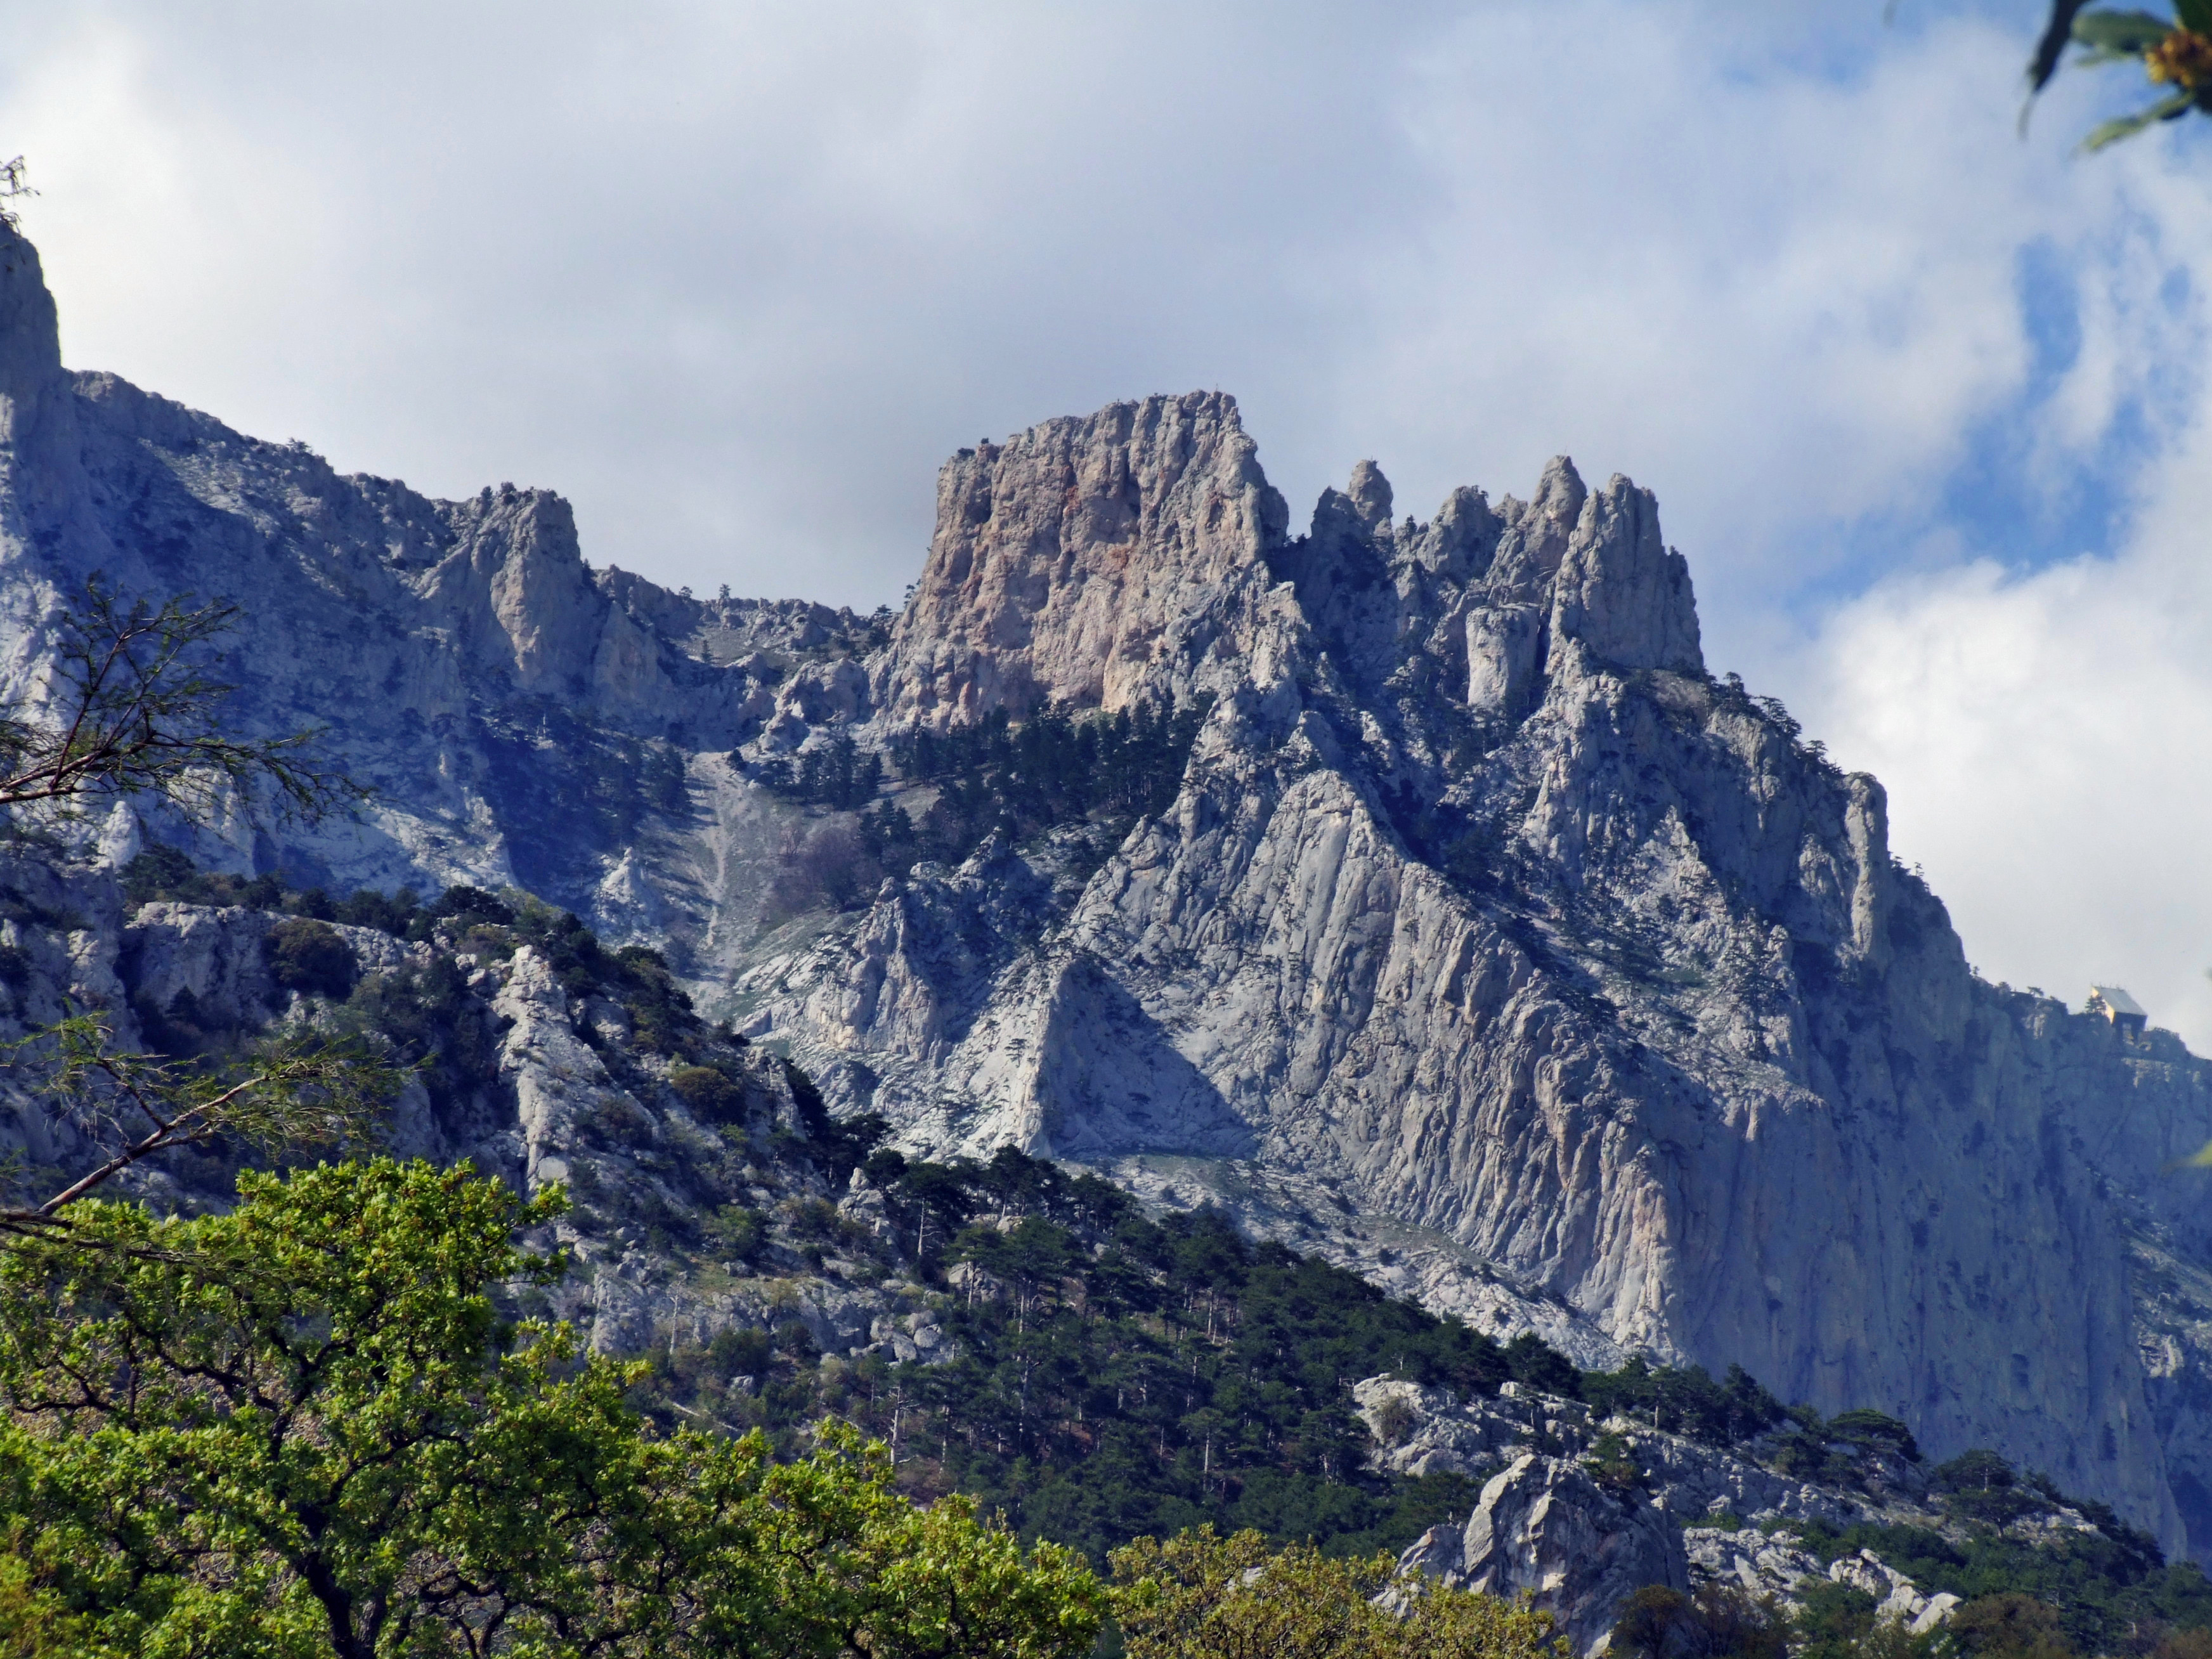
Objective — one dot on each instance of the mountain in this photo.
(1438, 910)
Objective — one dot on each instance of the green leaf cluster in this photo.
(1202, 1596)
(2175, 53)
(312, 957)
(303, 1429)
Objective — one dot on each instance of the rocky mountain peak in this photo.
(30, 327)
(1482, 897)
(1535, 531)
(41, 483)
(1062, 557)
(1369, 496)
(515, 552)
(1621, 591)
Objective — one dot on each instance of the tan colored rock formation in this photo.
(1063, 557)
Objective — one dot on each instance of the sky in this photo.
(1925, 401)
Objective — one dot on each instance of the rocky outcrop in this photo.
(1546, 1530)
(1767, 1569)
(218, 960)
(1621, 593)
(1428, 1431)
(1064, 557)
(1579, 1535)
(562, 1093)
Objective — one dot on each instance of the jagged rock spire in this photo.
(1621, 591)
(41, 475)
(1063, 554)
(1369, 494)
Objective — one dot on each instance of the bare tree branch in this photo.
(12, 187)
(137, 715)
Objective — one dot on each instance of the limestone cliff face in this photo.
(1063, 557)
(1483, 903)
(523, 717)
(1488, 942)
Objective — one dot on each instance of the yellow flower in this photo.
(2183, 57)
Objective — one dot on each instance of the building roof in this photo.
(2117, 1000)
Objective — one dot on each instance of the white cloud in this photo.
(2045, 734)
(1786, 299)
(736, 279)
(2046, 742)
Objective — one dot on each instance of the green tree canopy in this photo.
(1202, 1596)
(303, 1429)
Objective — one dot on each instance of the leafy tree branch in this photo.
(1202, 1596)
(305, 1428)
(294, 1094)
(2175, 53)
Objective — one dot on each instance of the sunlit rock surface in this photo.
(1490, 944)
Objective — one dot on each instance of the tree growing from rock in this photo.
(12, 188)
(1202, 1596)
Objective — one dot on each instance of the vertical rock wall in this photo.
(1063, 557)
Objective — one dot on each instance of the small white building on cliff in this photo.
(2116, 1005)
